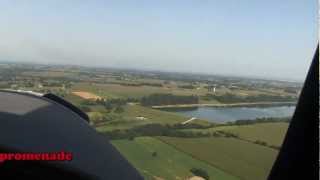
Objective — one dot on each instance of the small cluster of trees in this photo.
(116, 101)
(262, 143)
(154, 154)
(200, 172)
(168, 99)
(58, 92)
(121, 101)
(270, 98)
(259, 120)
(227, 134)
(115, 104)
(191, 126)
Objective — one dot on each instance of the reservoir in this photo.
(225, 114)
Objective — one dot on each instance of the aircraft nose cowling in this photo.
(31, 123)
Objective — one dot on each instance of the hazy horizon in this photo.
(273, 40)
(152, 71)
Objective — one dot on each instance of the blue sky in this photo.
(272, 39)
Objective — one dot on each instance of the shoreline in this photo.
(256, 104)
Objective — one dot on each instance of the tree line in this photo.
(168, 99)
(232, 98)
(155, 129)
(259, 120)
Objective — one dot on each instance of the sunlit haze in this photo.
(271, 39)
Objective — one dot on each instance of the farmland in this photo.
(169, 163)
(271, 133)
(239, 158)
(131, 112)
(120, 104)
(86, 95)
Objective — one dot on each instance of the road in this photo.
(185, 122)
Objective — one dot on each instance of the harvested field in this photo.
(86, 95)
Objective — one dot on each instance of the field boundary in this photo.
(210, 164)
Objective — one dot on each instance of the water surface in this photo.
(225, 114)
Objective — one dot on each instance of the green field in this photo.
(51, 74)
(128, 118)
(247, 154)
(76, 100)
(239, 158)
(222, 158)
(169, 162)
(122, 91)
(118, 91)
(271, 133)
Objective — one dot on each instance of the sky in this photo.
(271, 39)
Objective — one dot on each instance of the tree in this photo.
(99, 101)
(108, 106)
(119, 109)
(154, 154)
(168, 99)
(131, 138)
(261, 143)
(200, 172)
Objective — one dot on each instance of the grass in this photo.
(120, 124)
(211, 130)
(101, 90)
(169, 162)
(127, 119)
(52, 74)
(240, 158)
(157, 116)
(121, 91)
(76, 100)
(271, 133)
(222, 158)
(95, 116)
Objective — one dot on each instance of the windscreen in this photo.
(182, 89)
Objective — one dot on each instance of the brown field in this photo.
(86, 95)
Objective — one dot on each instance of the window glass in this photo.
(183, 89)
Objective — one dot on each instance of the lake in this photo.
(225, 114)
